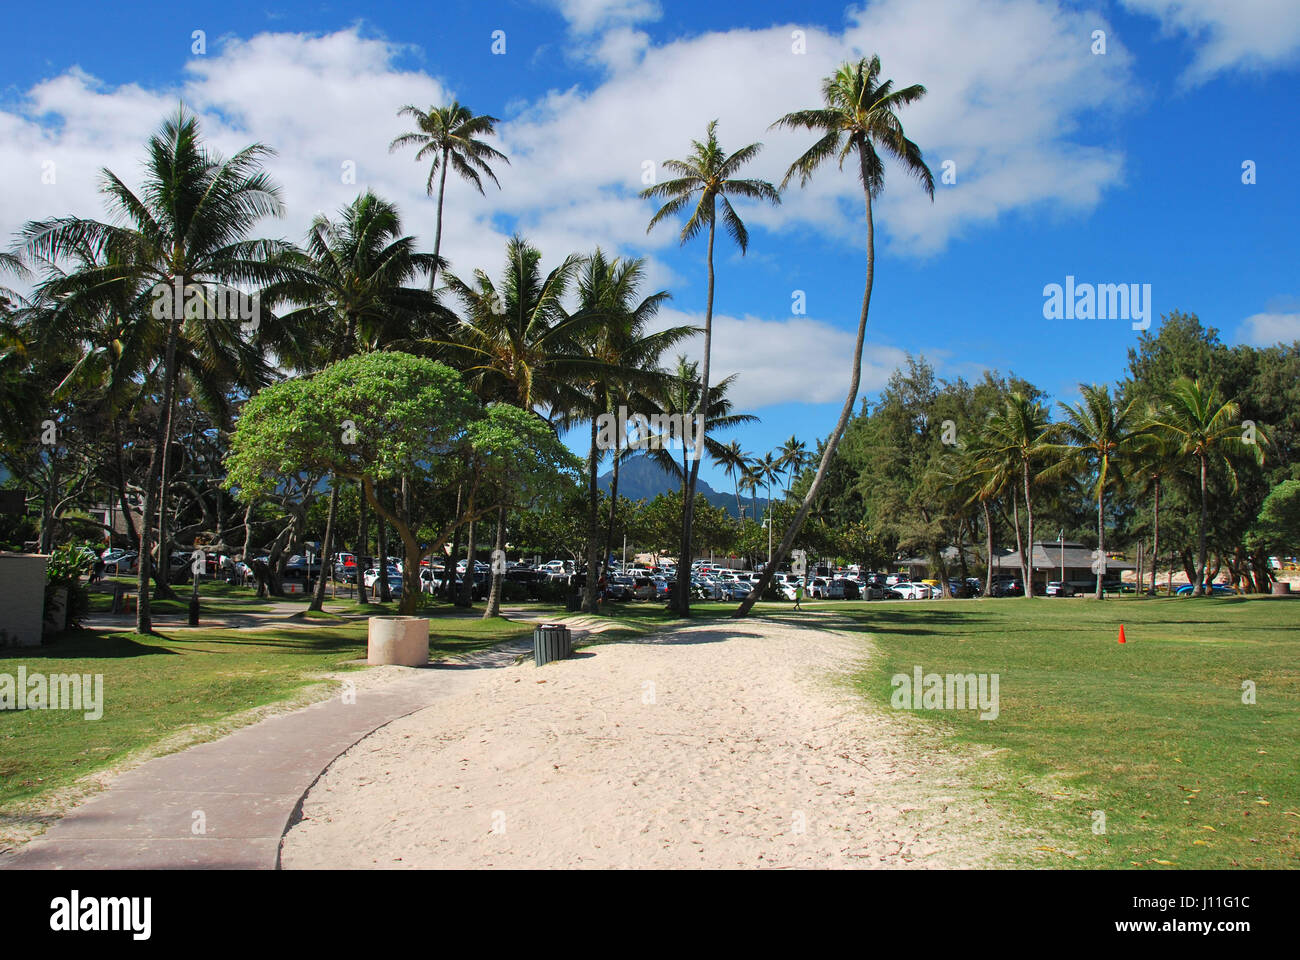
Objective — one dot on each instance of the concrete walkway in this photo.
(244, 789)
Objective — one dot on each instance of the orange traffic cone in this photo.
(1121, 634)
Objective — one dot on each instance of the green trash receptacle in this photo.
(551, 641)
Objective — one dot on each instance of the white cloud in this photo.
(1265, 329)
(1254, 34)
(590, 16)
(791, 360)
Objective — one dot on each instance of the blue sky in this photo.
(1115, 167)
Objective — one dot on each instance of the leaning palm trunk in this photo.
(1020, 543)
(437, 233)
(832, 442)
(162, 573)
(318, 600)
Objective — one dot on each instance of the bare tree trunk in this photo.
(381, 562)
(437, 234)
(833, 441)
(1020, 543)
(363, 543)
(471, 573)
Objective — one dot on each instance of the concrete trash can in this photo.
(403, 641)
(1281, 588)
(551, 641)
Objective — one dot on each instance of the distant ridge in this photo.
(640, 478)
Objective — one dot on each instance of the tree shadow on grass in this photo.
(86, 645)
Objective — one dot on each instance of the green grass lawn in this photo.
(1153, 732)
(155, 686)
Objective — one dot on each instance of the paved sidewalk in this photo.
(246, 786)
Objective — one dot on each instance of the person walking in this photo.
(798, 594)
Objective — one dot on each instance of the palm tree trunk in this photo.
(498, 579)
(1155, 536)
(1020, 543)
(437, 234)
(1199, 589)
(593, 526)
(700, 415)
(162, 575)
(1029, 535)
(988, 547)
(833, 441)
(143, 619)
(613, 506)
(318, 600)
(1101, 542)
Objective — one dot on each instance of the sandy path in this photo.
(713, 746)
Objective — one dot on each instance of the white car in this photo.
(914, 591)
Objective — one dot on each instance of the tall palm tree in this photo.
(1204, 428)
(1019, 438)
(989, 477)
(350, 290)
(1154, 459)
(859, 119)
(448, 137)
(1098, 433)
(751, 478)
(733, 462)
(707, 177)
(188, 225)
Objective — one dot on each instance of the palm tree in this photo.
(349, 290)
(627, 371)
(1019, 437)
(988, 477)
(1155, 457)
(448, 137)
(751, 478)
(187, 227)
(517, 343)
(1200, 425)
(706, 177)
(733, 462)
(859, 118)
(1098, 433)
(794, 457)
(679, 400)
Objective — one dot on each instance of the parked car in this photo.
(1008, 586)
(737, 589)
(849, 588)
(1215, 590)
(914, 591)
(125, 563)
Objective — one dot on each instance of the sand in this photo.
(714, 746)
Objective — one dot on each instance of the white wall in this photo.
(22, 598)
